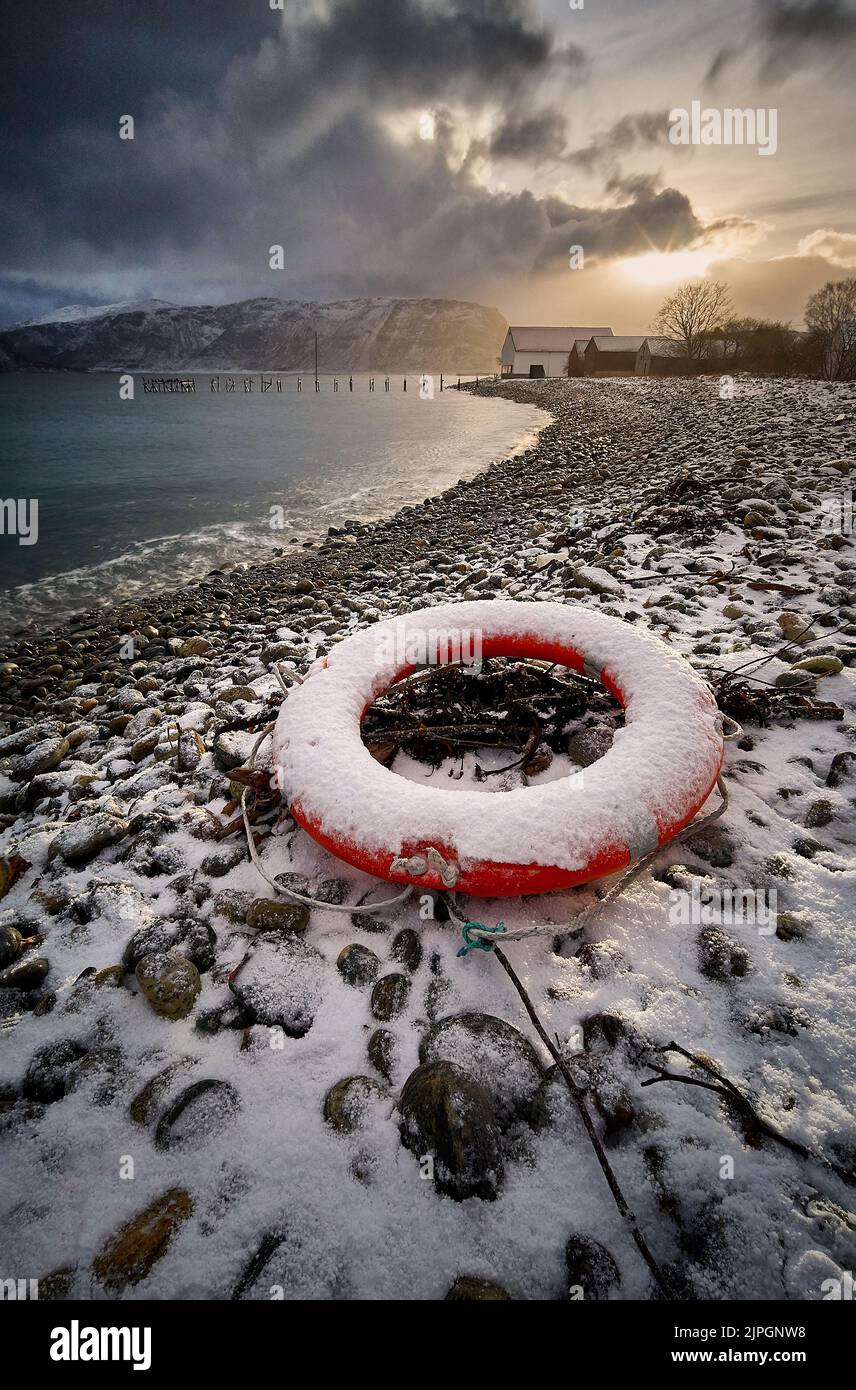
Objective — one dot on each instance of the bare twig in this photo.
(722, 1086)
(579, 1100)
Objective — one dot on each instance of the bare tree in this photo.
(692, 314)
(831, 318)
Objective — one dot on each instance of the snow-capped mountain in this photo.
(76, 313)
(262, 334)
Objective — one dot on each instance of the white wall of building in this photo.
(554, 363)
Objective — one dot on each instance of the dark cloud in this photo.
(663, 221)
(793, 32)
(721, 61)
(89, 61)
(256, 128)
(788, 35)
(533, 138)
(636, 130)
(633, 186)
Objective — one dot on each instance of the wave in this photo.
(167, 562)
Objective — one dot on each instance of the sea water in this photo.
(126, 496)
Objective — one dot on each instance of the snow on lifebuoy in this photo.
(659, 771)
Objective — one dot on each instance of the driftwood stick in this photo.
(579, 1100)
(722, 1086)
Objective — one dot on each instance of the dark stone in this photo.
(281, 982)
(195, 940)
(25, 974)
(264, 914)
(504, 1061)
(381, 1051)
(720, 956)
(143, 1105)
(223, 1016)
(602, 958)
(468, 1288)
(358, 965)
(446, 1113)
(10, 946)
(53, 1071)
(592, 1272)
(198, 1112)
(791, 926)
(714, 846)
(389, 997)
(345, 1103)
(222, 861)
(407, 948)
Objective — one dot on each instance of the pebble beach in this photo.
(206, 1093)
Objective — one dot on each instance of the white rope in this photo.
(303, 898)
(295, 675)
(582, 920)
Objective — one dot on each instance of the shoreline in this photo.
(171, 560)
(655, 502)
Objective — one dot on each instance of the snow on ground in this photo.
(656, 502)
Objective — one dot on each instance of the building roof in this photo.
(613, 344)
(665, 347)
(553, 339)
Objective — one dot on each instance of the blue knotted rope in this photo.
(472, 943)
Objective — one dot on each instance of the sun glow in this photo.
(664, 267)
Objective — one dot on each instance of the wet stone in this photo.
(281, 984)
(264, 914)
(358, 965)
(381, 1050)
(345, 1103)
(389, 997)
(10, 946)
(591, 1271)
(447, 1113)
(407, 948)
(504, 1061)
(199, 1112)
(468, 1288)
(25, 974)
(131, 1254)
(144, 1103)
(170, 982)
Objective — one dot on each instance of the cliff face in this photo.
(358, 335)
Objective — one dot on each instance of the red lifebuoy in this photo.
(660, 770)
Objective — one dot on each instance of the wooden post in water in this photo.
(317, 387)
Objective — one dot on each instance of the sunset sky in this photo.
(421, 147)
